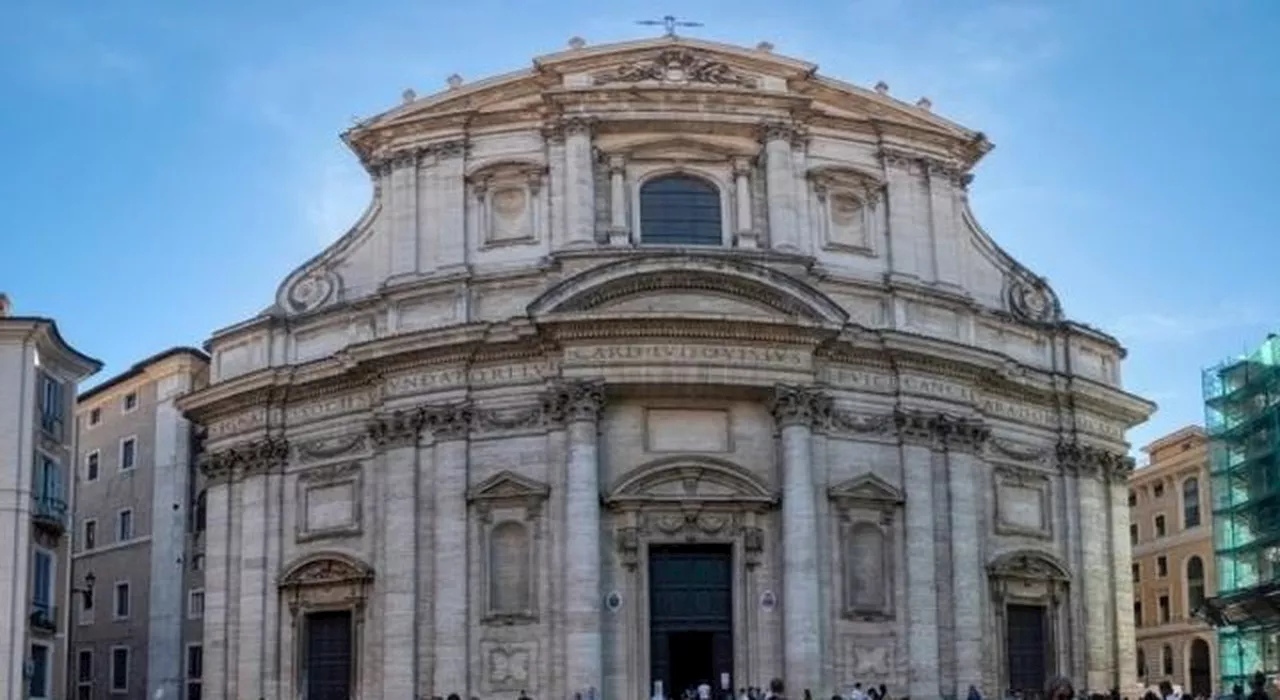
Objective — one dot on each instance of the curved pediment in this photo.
(1029, 564)
(742, 286)
(326, 569)
(686, 479)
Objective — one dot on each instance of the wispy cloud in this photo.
(1162, 326)
(65, 52)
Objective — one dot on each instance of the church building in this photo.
(664, 361)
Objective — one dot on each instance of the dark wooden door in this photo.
(328, 663)
(690, 615)
(1027, 648)
(1201, 669)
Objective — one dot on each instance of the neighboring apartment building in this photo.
(38, 376)
(1171, 529)
(137, 535)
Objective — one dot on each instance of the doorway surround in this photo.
(690, 500)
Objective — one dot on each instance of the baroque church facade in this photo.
(673, 361)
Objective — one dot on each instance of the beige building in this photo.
(1171, 530)
(138, 535)
(39, 372)
(669, 361)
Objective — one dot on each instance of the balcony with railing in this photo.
(44, 616)
(49, 513)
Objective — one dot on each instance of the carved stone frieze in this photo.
(328, 447)
(1019, 452)
(680, 66)
(799, 405)
(570, 401)
(335, 472)
(1093, 462)
(840, 421)
(245, 459)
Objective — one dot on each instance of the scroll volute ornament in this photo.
(575, 401)
(797, 405)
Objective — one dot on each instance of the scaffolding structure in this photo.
(1242, 419)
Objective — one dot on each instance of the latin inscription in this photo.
(882, 383)
(418, 382)
(712, 354)
(237, 424)
(328, 407)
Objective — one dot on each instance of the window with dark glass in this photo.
(1160, 526)
(680, 210)
(1133, 533)
(1137, 572)
(1133, 498)
(119, 669)
(1191, 503)
(1158, 490)
(1142, 664)
(39, 681)
(1137, 613)
(52, 405)
(1162, 566)
(1195, 584)
(1167, 660)
(1164, 610)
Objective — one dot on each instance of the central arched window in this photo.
(680, 210)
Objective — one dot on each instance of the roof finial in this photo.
(577, 42)
(924, 103)
(764, 46)
(454, 81)
(669, 24)
(882, 87)
(5, 305)
(409, 95)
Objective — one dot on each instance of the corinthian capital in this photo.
(800, 405)
(1093, 462)
(962, 434)
(579, 400)
(396, 429)
(245, 459)
(448, 423)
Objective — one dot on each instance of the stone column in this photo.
(448, 212)
(618, 230)
(1095, 576)
(254, 462)
(579, 194)
(779, 183)
(796, 409)
(449, 426)
(1121, 556)
(917, 435)
(581, 404)
(746, 233)
(216, 601)
(964, 474)
(395, 440)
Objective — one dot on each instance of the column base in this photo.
(749, 240)
(618, 236)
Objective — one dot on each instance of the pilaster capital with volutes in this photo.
(962, 434)
(449, 422)
(245, 459)
(575, 400)
(800, 405)
(399, 428)
(1092, 462)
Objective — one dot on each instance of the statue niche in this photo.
(866, 508)
(508, 509)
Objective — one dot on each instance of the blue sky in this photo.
(168, 163)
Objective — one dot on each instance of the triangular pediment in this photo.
(867, 488)
(508, 485)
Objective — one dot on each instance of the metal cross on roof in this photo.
(668, 23)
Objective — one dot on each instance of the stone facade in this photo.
(144, 648)
(467, 427)
(1173, 569)
(39, 372)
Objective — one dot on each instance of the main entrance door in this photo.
(690, 615)
(1027, 648)
(327, 661)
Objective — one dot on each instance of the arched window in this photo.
(1191, 502)
(1142, 663)
(680, 210)
(1166, 660)
(1195, 584)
